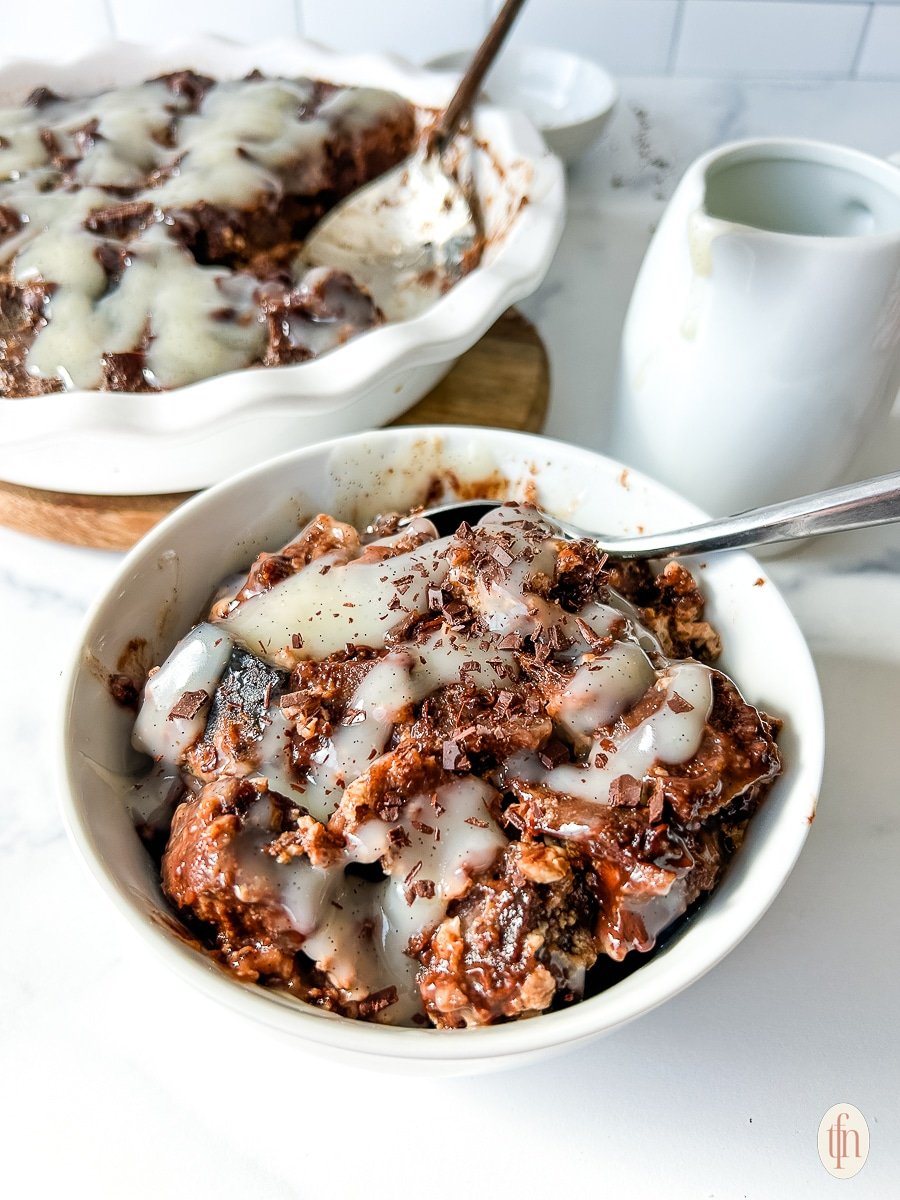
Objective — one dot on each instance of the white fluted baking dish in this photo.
(115, 443)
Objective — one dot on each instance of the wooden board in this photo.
(503, 382)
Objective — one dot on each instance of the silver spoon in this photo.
(870, 502)
(408, 235)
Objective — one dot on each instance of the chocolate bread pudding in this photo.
(151, 235)
(445, 781)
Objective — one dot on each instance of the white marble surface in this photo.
(115, 1079)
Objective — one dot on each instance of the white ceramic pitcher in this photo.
(763, 337)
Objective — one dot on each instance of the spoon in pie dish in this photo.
(412, 232)
(852, 506)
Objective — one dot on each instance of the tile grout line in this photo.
(853, 72)
(676, 38)
(113, 30)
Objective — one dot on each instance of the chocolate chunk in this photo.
(124, 372)
(377, 1002)
(657, 801)
(120, 221)
(10, 221)
(554, 753)
(435, 598)
(625, 792)
(41, 97)
(453, 757)
(189, 705)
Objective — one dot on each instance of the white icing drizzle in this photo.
(602, 688)
(357, 931)
(330, 604)
(196, 664)
(667, 735)
(228, 153)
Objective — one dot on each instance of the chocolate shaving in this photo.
(423, 828)
(477, 822)
(435, 597)
(678, 704)
(412, 874)
(510, 641)
(424, 888)
(296, 641)
(398, 837)
(189, 705)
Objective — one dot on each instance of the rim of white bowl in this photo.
(443, 62)
(632, 997)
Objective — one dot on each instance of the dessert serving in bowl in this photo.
(161, 327)
(404, 780)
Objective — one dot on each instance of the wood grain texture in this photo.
(502, 382)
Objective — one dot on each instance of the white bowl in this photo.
(569, 98)
(164, 582)
(189, 437)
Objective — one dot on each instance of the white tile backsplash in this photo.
(54, 30)
(880, 57)
(802, 38)
(169, 19)
(762, 37)
(629, 37)
(416, 29)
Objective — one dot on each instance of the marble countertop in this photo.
(116, 1078)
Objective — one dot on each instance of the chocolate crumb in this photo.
(123, 690)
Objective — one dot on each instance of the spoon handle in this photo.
(475, 73)
(870, 502)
